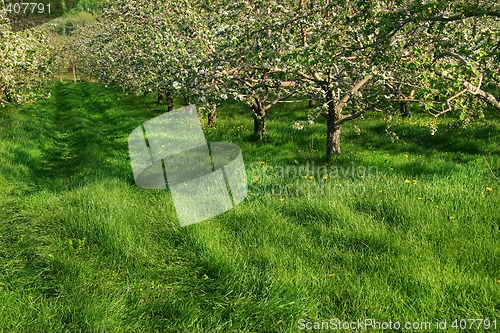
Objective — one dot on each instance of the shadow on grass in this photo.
(418, 140)
(89, 139)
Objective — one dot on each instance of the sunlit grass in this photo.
(413, 238)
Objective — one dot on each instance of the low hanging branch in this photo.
(468, 87)
(448, 103)
(484, 95)
(471, 89)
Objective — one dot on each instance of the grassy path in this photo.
(83, 250)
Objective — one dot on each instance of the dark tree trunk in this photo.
(333, 128)
(6, 92)
(186, 100)
(312, 103)
(167, 95)
(212, 115)
(405, 109)
(259, 123)
(170, 100)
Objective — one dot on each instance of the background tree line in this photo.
(350, 56)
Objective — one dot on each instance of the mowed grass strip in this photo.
(414, 236)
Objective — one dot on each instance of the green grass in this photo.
(82, 249)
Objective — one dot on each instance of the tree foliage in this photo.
(27, 58)
(354, 56)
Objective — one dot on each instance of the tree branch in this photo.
(352, 116)
(459, 17)
(448, 103)
(279, 99)
(414, 18)
(316, 79)
(469, 87)
(484, 95)
(266, 69)
(381, 38)
(474, 90)
(451, 54)
(347, 96)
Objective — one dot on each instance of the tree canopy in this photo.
(353, 56)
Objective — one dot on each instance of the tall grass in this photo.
(401, 230)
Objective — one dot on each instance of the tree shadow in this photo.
(419, 140)
(89, 139)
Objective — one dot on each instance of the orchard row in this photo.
(351, 56)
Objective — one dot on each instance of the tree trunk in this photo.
(186, 100)
(259, 123)
(405, 109)
(333, 128)
(312, 102)
(73, 67)
(169, 96)
(334, 117)
(212, 115)
(170, 100)
(333, 139)
(7, 94)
